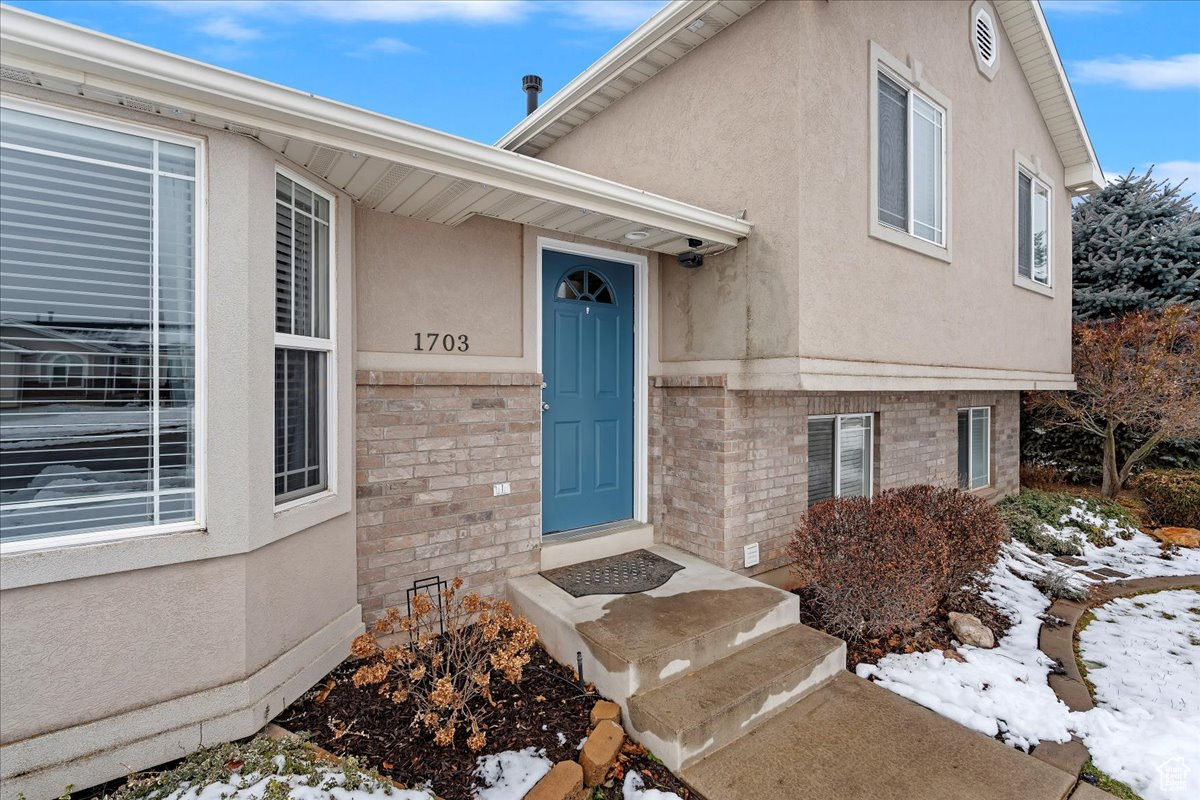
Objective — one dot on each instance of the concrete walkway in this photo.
(855, 740)
(716, 676)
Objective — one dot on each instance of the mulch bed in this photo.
(349, 721)
(934, 635)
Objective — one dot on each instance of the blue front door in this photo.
(587, 411)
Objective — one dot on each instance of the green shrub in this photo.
(1030, 530)
(1172, 496)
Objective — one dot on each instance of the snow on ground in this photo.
(326, 786)
(1003, 691)
(1142, 654)
(509, 775)
(634, 789)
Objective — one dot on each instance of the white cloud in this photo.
(1176, 72)
(1084, 6)
(384, 45)
(229, 29)
(610, 14)
(1175, 171)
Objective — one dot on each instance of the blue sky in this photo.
(456, 65)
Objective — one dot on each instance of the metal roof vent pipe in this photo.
(532, 84)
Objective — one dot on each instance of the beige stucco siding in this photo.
(719, 129)
(862, 298)
(772, 115)
(423, 277)
(119, 655)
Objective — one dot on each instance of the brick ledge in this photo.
(390, 378)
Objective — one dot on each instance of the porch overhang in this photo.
(385, 164)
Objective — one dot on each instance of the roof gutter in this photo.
(661, 27)
(103, 62)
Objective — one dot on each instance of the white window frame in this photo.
(971, 411)
(1032, 168)
(329, 347)
(909, 76)
(200, 431)
(837, 450)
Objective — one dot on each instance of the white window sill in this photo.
(909, 242)
(94, 537)
(305, 500)
(1034, 286)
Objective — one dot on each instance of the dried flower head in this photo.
(444, 736)
(476, 741)
(364, 646)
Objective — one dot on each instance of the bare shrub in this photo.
(442, 672)
(880, 566)
(1035, 475)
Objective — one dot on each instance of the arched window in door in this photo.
(587, 287)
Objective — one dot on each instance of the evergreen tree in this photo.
(1136, 245)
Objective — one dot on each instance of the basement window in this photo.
(839, 456)
(974, 447)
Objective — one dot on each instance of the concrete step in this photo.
(563, 550)
(634, 642)
(853, 739)
(691, 716)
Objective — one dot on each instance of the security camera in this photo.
(691, 260)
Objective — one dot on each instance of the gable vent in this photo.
(984, 36)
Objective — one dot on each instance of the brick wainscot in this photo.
(430, 447)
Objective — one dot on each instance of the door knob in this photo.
(545, 406)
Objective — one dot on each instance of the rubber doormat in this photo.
(627, 573)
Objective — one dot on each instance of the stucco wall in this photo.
(720, 129)
(868, 299)
(772, 115)
(120, 655)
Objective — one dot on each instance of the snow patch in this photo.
(509, 775)
(634, 789)
(673, 668)
(1142, 654)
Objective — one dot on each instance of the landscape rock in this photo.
(600, 751)
(969, 629)
(1181, 537)
(564, 781)
(605, 709)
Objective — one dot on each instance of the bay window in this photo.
(974, 447)
(304, 347)
(839, 456)
(99, 374)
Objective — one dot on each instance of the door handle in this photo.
(545, 407)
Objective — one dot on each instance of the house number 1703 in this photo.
(449, 342)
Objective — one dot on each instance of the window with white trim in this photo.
(912, 160)
(304, 346)
(839, 456)
(98, 282)
(974, 447)
(1033, 228)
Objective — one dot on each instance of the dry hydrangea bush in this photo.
(442, 672)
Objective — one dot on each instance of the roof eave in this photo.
(94, 59)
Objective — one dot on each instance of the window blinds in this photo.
(97, 328)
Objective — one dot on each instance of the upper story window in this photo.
(98, 324)
(1033, 228)
(910, 134)
(304, 345)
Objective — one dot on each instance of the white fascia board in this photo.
(104, 62)
(665, 24)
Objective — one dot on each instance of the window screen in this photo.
(97, 329)
(820, 459)
(1024, 225)
(893, 153)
